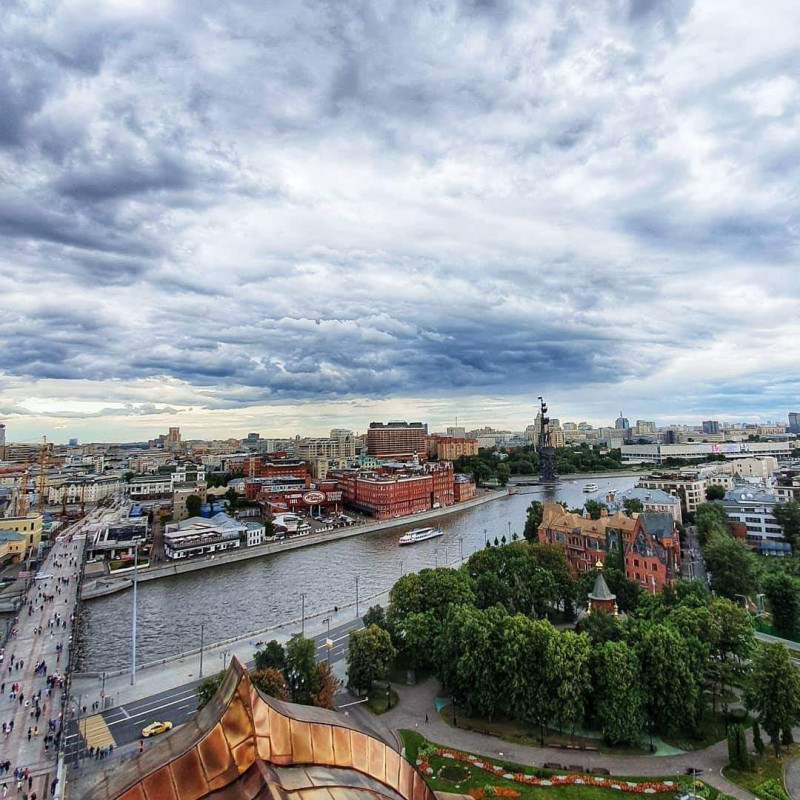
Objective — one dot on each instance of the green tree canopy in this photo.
(633, 505)
(533, 520)
(773, 691)
(368, 656)
(270, 656)
(376, 615)
(732, 566)
(710, 518)
(193, 504)
(715, 492)
(618, 693)
(788, 517)
(301, 668)
(595, 508)
(430, 589)
(783, 596)
(207, 689)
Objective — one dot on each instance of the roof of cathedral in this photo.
(245, 746)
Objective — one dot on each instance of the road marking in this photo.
(150, 711)
(95, 732)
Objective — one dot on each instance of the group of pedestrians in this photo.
(31, 681)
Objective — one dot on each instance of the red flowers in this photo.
(640, 787)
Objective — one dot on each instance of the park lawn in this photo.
(479, 779)
(765, 767)
(520, 732)
(377, 701)
(713, 730)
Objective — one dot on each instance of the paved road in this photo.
(692, 566)
(43, 633)
(123, 724)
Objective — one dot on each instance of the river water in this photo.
(237, 598)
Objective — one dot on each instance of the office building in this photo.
(398, 441)
(794, 422)
(753, 508)
(621, 423)
(690, 487)
(710, 426)
(2, 436)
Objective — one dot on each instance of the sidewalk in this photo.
(417, 701)
(43, 633)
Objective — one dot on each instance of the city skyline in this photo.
(297, 218)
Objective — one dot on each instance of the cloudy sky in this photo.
(282, 217)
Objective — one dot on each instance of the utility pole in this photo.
(133, 633)
(460, 548)
(357, 596)
(303, 613)
(202, 631)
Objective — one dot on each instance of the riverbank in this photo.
(152, 573)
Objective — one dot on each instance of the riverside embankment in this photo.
(110, 585)
(236, 598)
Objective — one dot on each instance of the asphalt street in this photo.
(125, 722)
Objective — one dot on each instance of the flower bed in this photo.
(635, 787)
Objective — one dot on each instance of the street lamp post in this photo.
(133, 632)
(356, 596)
(303, 613)
(202, 631)
(486, 537)
(460, 548)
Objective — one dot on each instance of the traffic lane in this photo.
(177, 705)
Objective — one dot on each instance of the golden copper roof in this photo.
(244, 746)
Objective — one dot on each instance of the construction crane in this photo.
(22, 497)
(42, 473)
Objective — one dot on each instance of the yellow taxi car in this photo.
(155, 728)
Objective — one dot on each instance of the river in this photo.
(238, 598)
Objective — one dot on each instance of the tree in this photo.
(665, 663)
(207, 689)
(368, 656)
(270, 682)
(633, 505)
(618, 694)
(715, 492)
(301, 668)
(127, 477)
(732, 566)
(595, 508)
(783, 595)
(737, 748)
(758, 742)
(710, 518)
(502, 471)
(417, 637)
(601, 627)
(788, 517)
(533, 520)
(375, 616)
(270, 656)
(327, 686)
(570, 660)
(773, 691)
(429, 589)
(193, 505)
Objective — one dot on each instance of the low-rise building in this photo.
(647, 544)
(149, 487)
(29, 526)
(463, 488)
(689, 487)
(12, 547)
(450, 448)
(181, 492)
(199, 536)
(652, 500)
(83, 489)
(753, 508)
(700, 451)
(118, 532)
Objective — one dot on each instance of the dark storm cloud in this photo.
(312, 200)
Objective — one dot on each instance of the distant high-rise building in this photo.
(173, 441)
(253, 438)
(644, 426)
(456, 431)
(621, 423)
(794, 422)
(73, 442)
(397, 440)
(710, 426)
(570, 426)
(3, 434)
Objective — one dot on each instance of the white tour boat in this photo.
(591, 487)
(420, 535)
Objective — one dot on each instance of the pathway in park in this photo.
(34, 665)
(418, 701)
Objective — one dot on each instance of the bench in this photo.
(551, 765)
